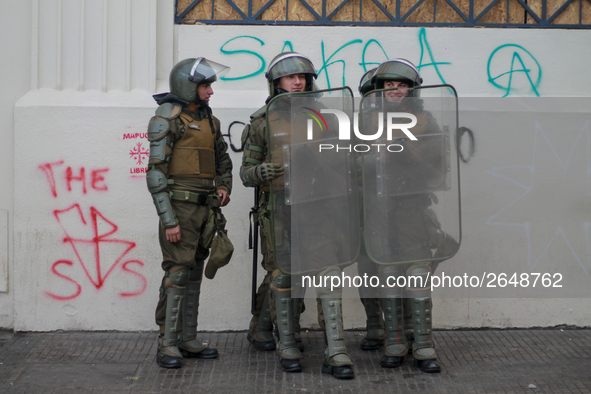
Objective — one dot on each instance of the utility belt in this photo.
(211, 200)
(260, 209)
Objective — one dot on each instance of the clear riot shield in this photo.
(313, 206)
(411, 193)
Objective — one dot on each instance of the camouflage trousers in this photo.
(187, 252)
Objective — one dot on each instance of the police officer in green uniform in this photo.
(287, 72)
(375, 331)
(403, 228)
(189, 175)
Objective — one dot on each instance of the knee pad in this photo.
(281, 281)
(389, 275)
(330, 282)
(196, 274)
(418, 277)
(419, 281)
(384, 271)
(177, 277)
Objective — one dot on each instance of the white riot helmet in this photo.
(289, 63)
(398, 70)
(188, 74)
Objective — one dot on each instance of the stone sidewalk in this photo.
(477, 361)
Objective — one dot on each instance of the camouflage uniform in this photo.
(264, 314)
(188, 166)
(375, 331)
(256, 160)
(190, 253)
(403, 228)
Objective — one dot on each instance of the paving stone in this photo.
(474, 361)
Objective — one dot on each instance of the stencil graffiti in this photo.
(139, 154)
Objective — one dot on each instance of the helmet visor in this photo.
(398, 70)
(290, 64)
(205, 71)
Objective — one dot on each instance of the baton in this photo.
(254, 245)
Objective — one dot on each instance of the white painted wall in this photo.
(15, 22)
(465, 58)
(507, 228)
(87, 105)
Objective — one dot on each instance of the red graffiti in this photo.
(140, 276)
(97, 179)
(78, 287)
(92, 237)
(70, 177)
(48, 169)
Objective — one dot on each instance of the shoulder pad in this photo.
(259, 112)
(158, 128)
(169, 111)
(258, 124)
(217, 124)
(244, 137)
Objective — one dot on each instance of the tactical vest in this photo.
(193, 155)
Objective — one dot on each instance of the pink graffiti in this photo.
(137, 153)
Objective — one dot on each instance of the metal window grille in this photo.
(428, 13)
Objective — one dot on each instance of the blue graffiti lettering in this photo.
(425, 45)
(287, 44)
(239, 51)
(363, 63)
(326, 64)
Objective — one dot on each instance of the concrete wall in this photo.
(15, 21)
(84, 249)
(478, 62)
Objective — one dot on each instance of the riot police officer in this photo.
(189, 175)
(375, 332)
(288, 72)
(402, 232)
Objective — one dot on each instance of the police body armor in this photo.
(193, 155)
(182, 170)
